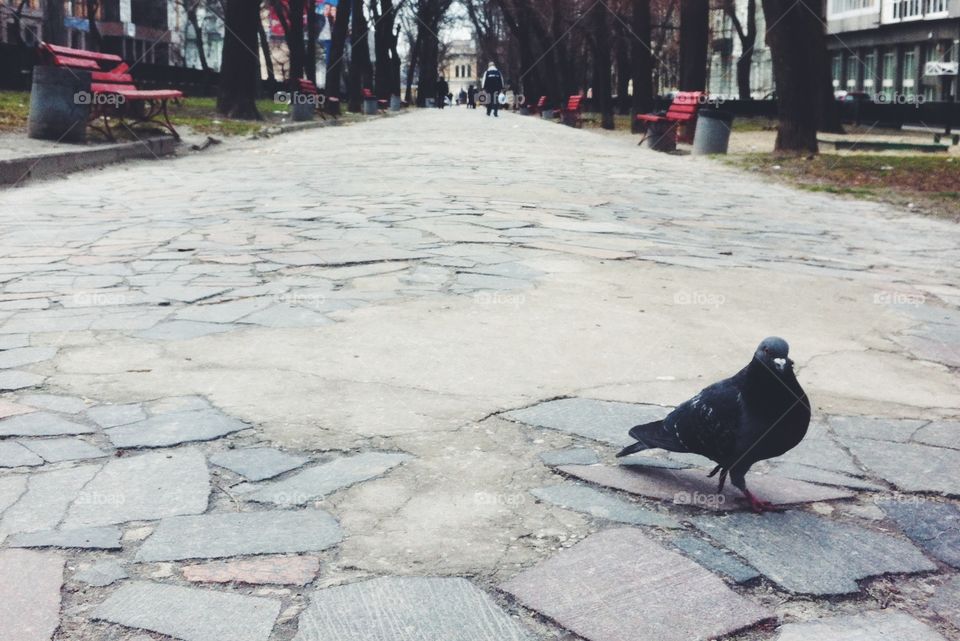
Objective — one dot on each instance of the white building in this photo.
(726, 50)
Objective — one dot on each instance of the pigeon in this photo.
(759, 413)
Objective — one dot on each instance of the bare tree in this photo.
(748, 39)
(240, 70)
(335, 64)
(54, 31)
(641, 62)
(694, 33)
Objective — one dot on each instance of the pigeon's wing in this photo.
(709, 422)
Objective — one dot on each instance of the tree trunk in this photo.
(294, 37)
(641, 63)
(94, 41)
(240, 69)
(828, 115)
(411, 69)
(198, 34)
(312, 33)
(384, 46)
(360, 70)
(694, 32)
(623, 73)
(794, 25)
(264, 48)
(601, 67)
(335, 64)
(748, 39)
(53, 30)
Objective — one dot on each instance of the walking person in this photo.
(471, 97)
(442, 90)
(492, 86)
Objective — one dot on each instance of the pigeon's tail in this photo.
(650, 436)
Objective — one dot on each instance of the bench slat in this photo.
(75, 63)
(81, 53)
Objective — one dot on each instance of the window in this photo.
(836, 70)
(889, 75)
(853, 73)
(838, 7)
(909, 74)
(870, 72)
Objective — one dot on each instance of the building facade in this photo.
(726, 50)
(895, 50)
(460, 66)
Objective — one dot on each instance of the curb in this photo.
(19, 170)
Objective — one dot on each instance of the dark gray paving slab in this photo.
(93, 538)
(45, 499)
(174, 428)
(692, 487)
(604, 421)
(114, 415)
(25, 356)
(869, 626)
(933, 526)
(714, 559)
(641, 460)
(883, 429)
(406, 609)
(211, 536)
(570, 456)
(825, 477)
(41, 424)
(939, 434)
(618, 584)
(173, 404)
(102, 573)
(909, 466)
(30, 594)
(595, 503)
(12, 380)
(181, 330)
(143, 488)
(12, 454)
(54, 403)
(808, 554)
(258, 463)
(316, 482)
(945, 600)
(191, 614)
(284, 315)
(56, 450)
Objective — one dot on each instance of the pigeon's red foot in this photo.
(759, 506)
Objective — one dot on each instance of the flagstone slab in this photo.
(570, 456)
(939, 434)
(45, 499)
(12, 454)
(41, 424)
(258, 463)
(25, 356)
(692, 487)
(29, 594)
(825, 477)
(286, 570)
(714, 559)
(321, 480)
(182, 330)
(211, 536)
(869, 626)
(54, 403)
(641, 460)
(56, 450)
(8, 409)
(175, 428)
(102, 573)
(808, 554)
(143, 488)
(191, 614)
(945, 600)
(407, 609)
(114, 415)
(935, 527)
(604, 421)
(619, 584)
(12, 380)
(598, 504)
(911, 467)
(94, 538)
(11, 489)
(868, 427)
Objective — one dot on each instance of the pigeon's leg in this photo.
(723, 477)
(737, 477)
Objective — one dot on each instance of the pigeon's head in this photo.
(772, 352)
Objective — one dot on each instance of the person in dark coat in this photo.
(442, 90)
(492, 86)
(472, 97)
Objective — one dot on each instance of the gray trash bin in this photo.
(395, 103)
(302, 107)
(59, 104)
(713, 132)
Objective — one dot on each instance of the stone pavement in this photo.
(373, 390)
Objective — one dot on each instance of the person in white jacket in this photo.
(492, 85)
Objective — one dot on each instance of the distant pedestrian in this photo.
(462, 97)
(471, 97)
(492, 86)
(442, 90)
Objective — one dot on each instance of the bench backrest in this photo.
(685, 105)
(542, 102)
(78, 58)
(110, 82)
(368, 94)
(307, 86)
(573, 104)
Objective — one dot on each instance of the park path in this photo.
(379, 373)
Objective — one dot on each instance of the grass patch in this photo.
(14, 110)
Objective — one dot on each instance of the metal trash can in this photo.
(661, 136)
(302, 106)
(713, 132)
(395, 103)
(370, 106)
(59, 104)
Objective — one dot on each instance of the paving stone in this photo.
(714, 559)
(183, 293)
(54, 403)
(640, 460)
(15, 455)
(211, 536)
(8, 409)
(177, 404)
(102, 573)
(114, 415)
(181, 330)
(94, 538)
(316, 482)
(939, 434)
(692, 487)
(11, 489)
(604, 421)
(55, 450)
(257, 463)
(283, 315)
(45, 501)
(12, 380)
(570, 456)
(808, 554)
(227, 312)
(618, 584)
(406, 609)
(190, 614)
(884, 429)
(945, 600)
(285, 570)
(909, 466)
(174, 428)
(41, 424)
(825, 477)
(595, 503)
(25, 356)
(869, 626)
(933, 526)
(143, 488)
(13, 341)
(30, 594)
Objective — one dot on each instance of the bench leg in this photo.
(166, 120)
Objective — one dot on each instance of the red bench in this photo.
(572, 113)
(381, 104)
(113, 94)
(682, 115)
(309, 88)
(538, 108)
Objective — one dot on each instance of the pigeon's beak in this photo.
(781, 363)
